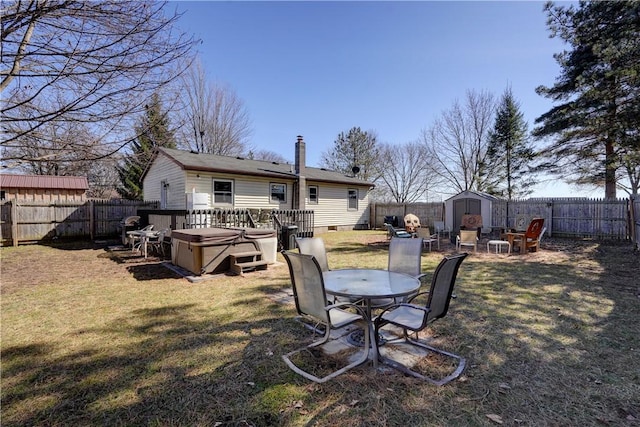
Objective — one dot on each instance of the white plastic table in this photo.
(144, 239)
(369, 285)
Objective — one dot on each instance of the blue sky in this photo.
(319, 68)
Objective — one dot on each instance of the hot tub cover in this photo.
(215, 235)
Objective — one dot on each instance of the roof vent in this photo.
(194, 152)
(275, 163)
(239, 158)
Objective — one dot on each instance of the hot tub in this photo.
(207, 250)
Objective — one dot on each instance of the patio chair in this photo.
(467, 238)
(427, 238)
(531, 238)
(158, 242)
(136, 240)
(441, 229)
(405, 256)
(314, 246)
(394, 232)
(415, 318)
(311, 301)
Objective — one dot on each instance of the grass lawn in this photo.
(98, 337)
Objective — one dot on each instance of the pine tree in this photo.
(507, 170)
(152, 131)
(595, 124)
(354, 148)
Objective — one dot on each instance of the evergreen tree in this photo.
(355, 148)
(152, 131)
(595, 124)
(507, 167)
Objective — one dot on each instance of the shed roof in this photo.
(475, 193)
(44, 181)
(188, 160)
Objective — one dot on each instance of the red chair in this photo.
(531, 237)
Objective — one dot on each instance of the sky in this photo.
(320, 68)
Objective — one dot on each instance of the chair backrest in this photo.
(471, 221)
(391, 230)
(405, 256)
(439, 226)
(444, 278)
(534, 229)
(314, 246)
(424, 233)
(468, 236)
(308, 285)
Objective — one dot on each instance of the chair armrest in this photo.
(416, 295)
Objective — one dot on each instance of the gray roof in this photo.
(188, 160)
(477, 193)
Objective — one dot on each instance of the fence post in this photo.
(92, 221)
(14, 222)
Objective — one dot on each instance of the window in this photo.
(353, 199)
(222, 192)
(3, 195)
(313, 195)
(278, 193)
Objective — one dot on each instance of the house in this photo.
(187, 180)
(468, 203)
(43, 188)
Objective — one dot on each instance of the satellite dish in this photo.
(355, 170)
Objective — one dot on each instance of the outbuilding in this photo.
(43, 188)
(468, 203)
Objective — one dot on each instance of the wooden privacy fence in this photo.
(571, 217)
(24, 222)
(427, 212)
(564, 217)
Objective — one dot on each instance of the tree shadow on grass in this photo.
(172, 370)
(561, 336)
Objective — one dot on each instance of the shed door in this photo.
(462, 207)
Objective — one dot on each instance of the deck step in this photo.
(238, 267)
(245, 254)
(252, 263)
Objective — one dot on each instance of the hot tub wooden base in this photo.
(218, 250)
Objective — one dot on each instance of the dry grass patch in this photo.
(96, 337)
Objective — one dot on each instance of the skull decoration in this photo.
(411, 223)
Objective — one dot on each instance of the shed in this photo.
(43, 188)
(468, 203)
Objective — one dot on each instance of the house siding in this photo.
(164, 169)
(253, 192)
(332, 208)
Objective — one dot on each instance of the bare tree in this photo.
(404, 176)
(457, 142)
(267, 155)
(215, 118)
(89, 62)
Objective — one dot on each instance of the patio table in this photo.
(368, 285)
(144, 239)
(511, 238)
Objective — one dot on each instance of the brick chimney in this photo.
(300, 192)
(301, 154)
